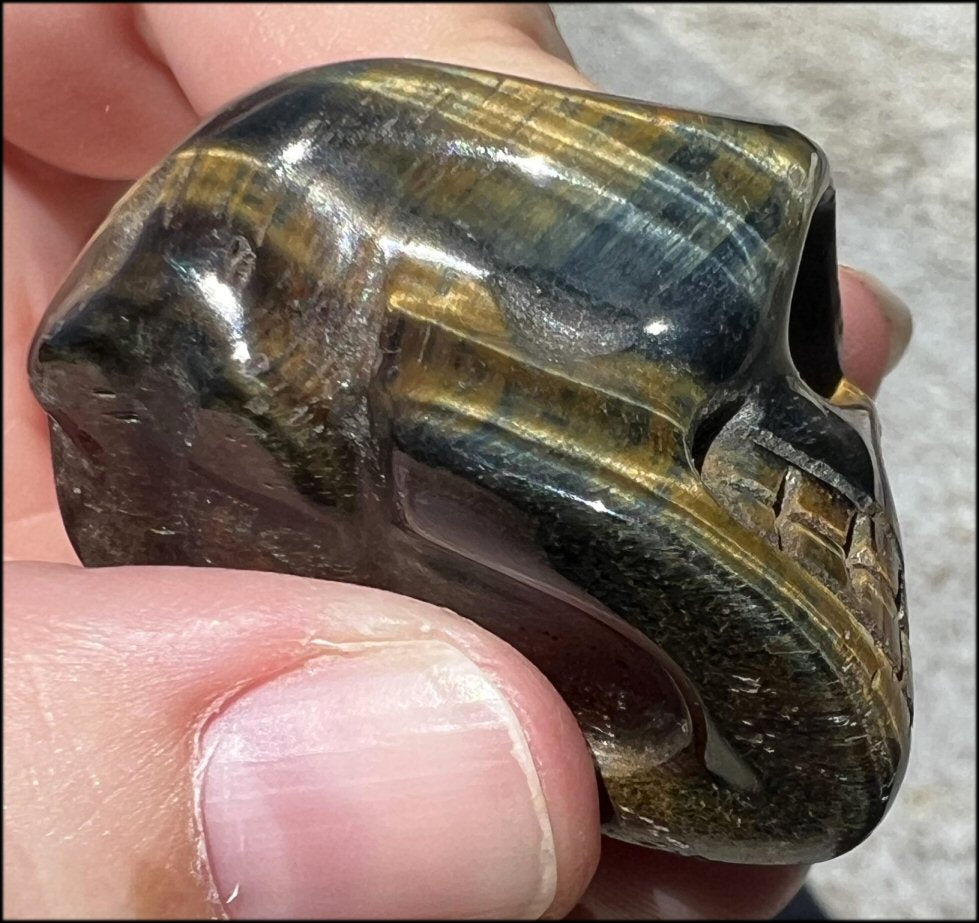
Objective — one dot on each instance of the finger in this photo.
(123, 83)
(876, 329)
(261, 42)
(310, 749)
(102, 104)
(641, 884)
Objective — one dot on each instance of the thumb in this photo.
(180, 741)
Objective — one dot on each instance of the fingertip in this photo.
(562, 759)
(456, 757)
(877, 328)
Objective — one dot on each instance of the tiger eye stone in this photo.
(561, 362)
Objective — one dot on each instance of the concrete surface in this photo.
(888, 90)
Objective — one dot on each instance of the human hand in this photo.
(418, 766)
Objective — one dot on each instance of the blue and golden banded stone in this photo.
(561, 362)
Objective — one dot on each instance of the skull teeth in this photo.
(852, 553)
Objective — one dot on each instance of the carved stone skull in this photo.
(564, 363)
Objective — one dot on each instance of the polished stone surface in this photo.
(563, 363)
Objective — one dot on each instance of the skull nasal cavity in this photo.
(815, 322)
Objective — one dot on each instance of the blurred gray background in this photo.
(888, 91)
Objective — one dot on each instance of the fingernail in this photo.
(895, 312)
(390, 781)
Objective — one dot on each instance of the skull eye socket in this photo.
(815, 322)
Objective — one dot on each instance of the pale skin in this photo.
(110, 674)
